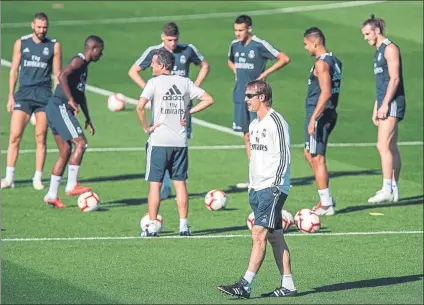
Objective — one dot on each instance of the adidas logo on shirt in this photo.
(173, 94)
(26, 50)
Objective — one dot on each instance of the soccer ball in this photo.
(287, 219)
(144, 222)
(215, 200)
(116, 102)
(88, 201)
(250, 220)
(32, 119)
(307, 221)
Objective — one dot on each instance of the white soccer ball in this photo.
(144, 222)
(116, 102)
(307, 221)
(88, 201)
(250, 220)
(287, 219)
(215, 200)
(32, 119)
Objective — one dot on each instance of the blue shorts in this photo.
(62, 121)
(266, 205)
(32, 99)
(317, 144)
(159, 159)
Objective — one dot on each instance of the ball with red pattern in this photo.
(116, 102)
(307, 221)
(215, 200)
(145, 220)
(88, 201)
(287, 219)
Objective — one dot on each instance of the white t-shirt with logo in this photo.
(270, 153)
(170, 96)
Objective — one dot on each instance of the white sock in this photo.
(166, 180)
(183, 225)
(287, 282)
(72, 177)
(37, 176)
(249, 276)
(395, 186)
(325, 196)
(54, 186)
(387, 186)
(10, 174)
(152, 226)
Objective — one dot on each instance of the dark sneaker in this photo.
(237, 289)
(185, 233)
(280, 292)
(148, 234)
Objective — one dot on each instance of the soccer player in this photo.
(38, 56)
(389, 106)
(61, 114)
(321, 116)
(185, 54)
(269, 177)
(247, 58)
(170, 96)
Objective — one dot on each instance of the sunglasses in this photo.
(251, 95)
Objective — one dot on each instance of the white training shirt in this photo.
(170, 96)
(270, 153)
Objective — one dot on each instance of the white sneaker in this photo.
(7, 184)
(165, 192)
(242, 185)
(381, 197)
(320, 210)
(38, 185)
(395, 196)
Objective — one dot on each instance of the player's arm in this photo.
(145, 97)
(13, 74)
(391, 54)
(70, 68)
(230, 60)
(57, 63)
(205, 101)
(279, 136)
(134, 74)
(282, 60)
(323, 74)
(88, 123)
(204, 70)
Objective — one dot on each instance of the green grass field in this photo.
(66, 256)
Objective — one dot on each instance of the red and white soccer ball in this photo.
(88, 201)
(215, 200)
(144, 222)
(250, 220)
(307, 221)
(116, 102)
(287, 219)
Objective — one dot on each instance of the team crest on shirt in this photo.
(379, 57)
(183, 59)
(264, 133)
(236, 55)
(46, 51)
(251, 54)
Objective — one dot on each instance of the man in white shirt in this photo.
(269, 185)
(170, 97)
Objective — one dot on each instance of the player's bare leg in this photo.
(73, 188)
(153, 201)
(397, 164)
(386, 131)
(40, 155)
(182, 204)
(282, 259)
(57, 172)
(18, 123)
(246, 138)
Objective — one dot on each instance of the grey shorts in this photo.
(63, 122)
(159, 159)
(32, 99)
(266, 205)
(317, 144)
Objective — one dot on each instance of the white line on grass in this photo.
(214, 147)
(36, 239)
(198, 16)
